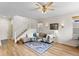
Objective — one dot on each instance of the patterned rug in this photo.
(39, 47)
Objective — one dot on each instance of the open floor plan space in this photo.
(39, 28)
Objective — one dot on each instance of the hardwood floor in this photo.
(57, 49)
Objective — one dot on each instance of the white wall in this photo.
(67, 36)
(64, 35)
(32, 23)
(4, 28)
(67, 31)
(46, 25)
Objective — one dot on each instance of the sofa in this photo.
(41, 37)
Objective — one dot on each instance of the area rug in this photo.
(39, 47)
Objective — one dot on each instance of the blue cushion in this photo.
(34, 34)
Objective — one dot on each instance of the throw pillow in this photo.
(34, 35)
(43, 35)
(39, 40)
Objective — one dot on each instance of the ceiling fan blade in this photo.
(35, 9)
(49, 4)
(38, 4)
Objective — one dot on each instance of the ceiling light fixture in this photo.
(44, 7)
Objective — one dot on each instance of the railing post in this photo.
(15, 37)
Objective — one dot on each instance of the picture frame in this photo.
(54, 26)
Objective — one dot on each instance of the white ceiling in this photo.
(27, 9)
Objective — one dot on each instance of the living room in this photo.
(52, 29)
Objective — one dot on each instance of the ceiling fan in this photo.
(44, 7)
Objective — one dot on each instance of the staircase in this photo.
(21, 33)
(20, 26)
